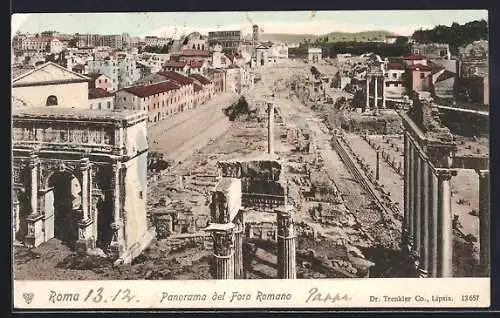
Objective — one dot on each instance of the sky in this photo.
(174, 24)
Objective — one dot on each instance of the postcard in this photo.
(281, 159)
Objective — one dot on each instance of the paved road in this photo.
(180, 136)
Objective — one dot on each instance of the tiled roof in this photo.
(18, 71)
(176, 77)
(200, 78)
(171, 63)
(420, 67)
(190, 52)
(99, 93)
(414, 57)
(195, 64)
(395, 66)
(148, 90)
(197, 87)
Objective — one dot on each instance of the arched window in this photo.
(51, 100)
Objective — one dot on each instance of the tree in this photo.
(401, 40)
(73, 42)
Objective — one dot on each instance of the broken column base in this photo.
(128, 254)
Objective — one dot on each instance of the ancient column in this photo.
(84, 168)
(34, 184)
(484, 222)
(286, 243)
(15, 216)
(434, 224)
(383, 93)
(35, 235)
(406, 159)
(239, 231)
(445, 230)
(367, 92)
(377, 168)
(375, 104)
(424, 229)
(417, 192)
(85, 236)
(117, 243)
(270, 128)
(411, 189)
(223, 253)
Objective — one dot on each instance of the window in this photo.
(422, 75)
(387, 85)
(109, 105)
(99, 81)
(394, 75)
(51, 101)
(99, 106)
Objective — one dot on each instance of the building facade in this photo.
(122, 70)
(51, 85)
(314, 55)
(161, 100)
(229, 40)
(101, 99)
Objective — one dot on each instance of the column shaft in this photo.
(375, 104)
(286, 244)
(224, 254)
(367, 92)
(383, 94)
(417, 212)
(484, 223)
(424, 228)
(411, 195)
(238, 246)
(84, 166)
(34, 185)
(117, 243)
(406, 159)
(445, 231)
(434, 224)
(116, 193)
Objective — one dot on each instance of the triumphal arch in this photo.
(79, 175)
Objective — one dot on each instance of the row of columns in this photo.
(376, 98)
(228, 247)
(428, 216)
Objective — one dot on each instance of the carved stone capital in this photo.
(84, 164)
(285, 221)
(483, 173)
(445, 174)
(34, 161)
(223, 242)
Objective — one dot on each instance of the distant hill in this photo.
(285, 37)
(366, 36)
(455, 35)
